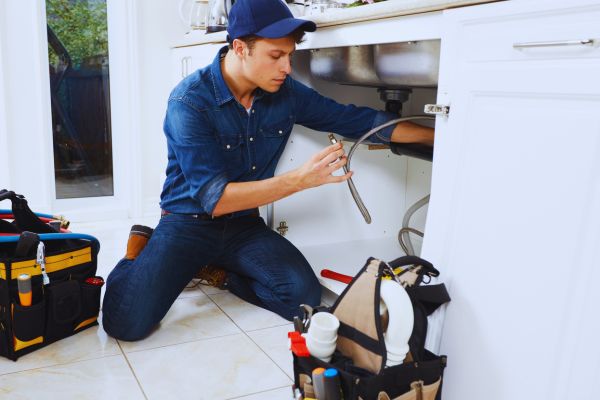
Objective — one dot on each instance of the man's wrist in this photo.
(292, 181)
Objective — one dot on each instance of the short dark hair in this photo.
(250, 40)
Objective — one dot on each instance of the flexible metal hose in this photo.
(405, 247)
(355, 195)
(405, 231)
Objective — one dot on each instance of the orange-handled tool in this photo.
(24, 285)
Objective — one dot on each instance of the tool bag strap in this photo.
(430, 296)
(428, 267)
(25, 219)
(360, 336)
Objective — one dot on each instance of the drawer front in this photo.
(520, 31)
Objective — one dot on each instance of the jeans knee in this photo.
(122, 322)
(128, 329)
(307, 293)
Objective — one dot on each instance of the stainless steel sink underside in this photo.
(394, 65)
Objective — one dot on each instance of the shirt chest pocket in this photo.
(281, 129)
(232, 146)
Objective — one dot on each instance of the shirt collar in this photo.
(222, 92)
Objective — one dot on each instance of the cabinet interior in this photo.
(325, 222)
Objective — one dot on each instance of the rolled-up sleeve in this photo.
(192, 141)
(324, 114)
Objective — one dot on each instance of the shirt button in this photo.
(252, 111)
(253, 167)
(228, 146)
(251, 139)
(280, 132)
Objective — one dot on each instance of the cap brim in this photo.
(286, 26)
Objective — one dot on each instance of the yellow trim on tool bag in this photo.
(67, 260)
(86, 322)
(53, 263)
(25, 267)
(19, 344)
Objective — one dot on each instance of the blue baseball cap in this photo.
(265, 18)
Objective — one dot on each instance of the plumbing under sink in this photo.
(393, 65)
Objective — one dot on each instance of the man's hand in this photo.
(319, 169)
(316, 171)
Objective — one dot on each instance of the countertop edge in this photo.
(382, 10)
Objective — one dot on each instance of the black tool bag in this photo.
(58, 263)
(360, 356)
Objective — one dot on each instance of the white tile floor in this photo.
(210, 345)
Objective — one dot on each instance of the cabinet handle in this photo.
(185, 66)
(582, 42)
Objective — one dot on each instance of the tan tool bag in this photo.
(360, 357)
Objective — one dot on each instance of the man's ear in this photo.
(238, 47)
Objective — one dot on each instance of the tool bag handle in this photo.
(44, 237)
(25, 219)
(51, 236)
(428, 267)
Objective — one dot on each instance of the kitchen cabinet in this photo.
(514, 216)
(513, 223)
(186, 60)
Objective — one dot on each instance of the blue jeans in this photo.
(263, 268)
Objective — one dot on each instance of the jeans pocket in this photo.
(64, 307)
(28, 325)
(90, 306)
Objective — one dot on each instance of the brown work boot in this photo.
(211, 275)
(138, 237)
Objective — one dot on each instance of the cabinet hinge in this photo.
(437, 109)
(282, 228)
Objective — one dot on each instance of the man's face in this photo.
(269, 62)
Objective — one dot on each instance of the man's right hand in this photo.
(319, 169)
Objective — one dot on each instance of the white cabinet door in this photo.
(188, 59)
(514, 218)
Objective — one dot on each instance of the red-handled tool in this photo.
(336, 276)
(297, 344)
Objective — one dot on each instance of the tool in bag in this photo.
(48, 284)
(370, 358)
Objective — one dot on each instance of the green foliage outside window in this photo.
(81, 27)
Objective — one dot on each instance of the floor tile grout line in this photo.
(132, 370)
(184, 342)
(251, 394)
(227, 315)
(268, 327)
(242, 329)
(270, 358)
(60, 364)
(248, 336)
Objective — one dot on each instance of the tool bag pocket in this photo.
(90, 306)
(28, 325)
(64, 306)
(414, 378)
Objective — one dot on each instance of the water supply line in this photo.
(359, 203)
(406, 230)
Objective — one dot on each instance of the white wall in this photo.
(25, 126)
(159, 27)
(4, 172)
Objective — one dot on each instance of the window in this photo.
(80, 98)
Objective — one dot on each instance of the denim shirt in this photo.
(213, 140)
